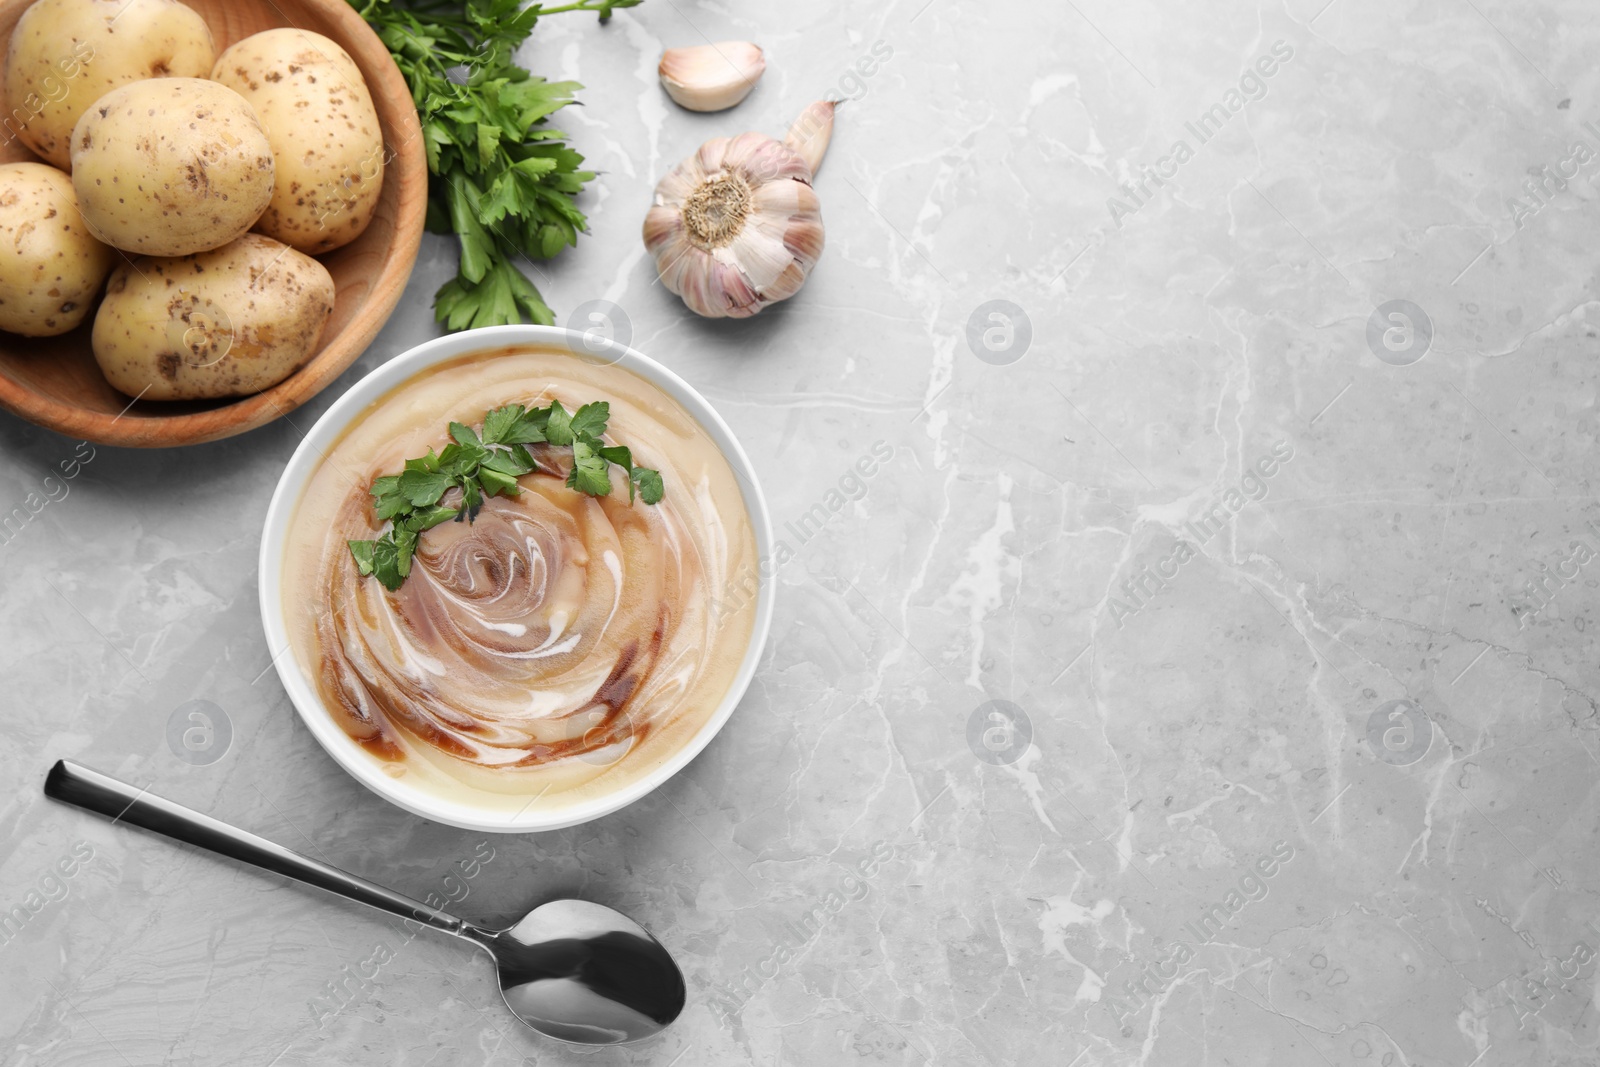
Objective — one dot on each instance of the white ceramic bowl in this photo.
(327, 430)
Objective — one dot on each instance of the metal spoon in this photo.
(570, 969)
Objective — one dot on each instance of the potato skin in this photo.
(324, 133)
(229, 322)
(50, 267)
(66, 54)
(171, 166)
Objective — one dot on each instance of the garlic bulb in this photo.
(711, 77)
(737, 226)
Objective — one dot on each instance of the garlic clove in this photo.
(796, 204)
(788, 284)
(766, 160)
(672, 272)
(661, 224)
(804, 238)
(709, 158)
(811, 132)
(739, 298)
(786, 198)
(760, 252)
(686, 274)
(703, 292)
(711, 77)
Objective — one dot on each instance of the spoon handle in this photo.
(75, 784)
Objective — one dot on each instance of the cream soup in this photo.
(561, 645)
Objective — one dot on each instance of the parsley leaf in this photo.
(590, 472)
(497, 425)
(489, 465)
(496, 483)
(422, 489)
(387, 498)
(471, 498)
(591, 419)
(386, 562)
(430, 463)
(512, 462)
(362, 551)
(622, 456)
(530, 428)
(558, 425)
(503, 182)
(649, 482)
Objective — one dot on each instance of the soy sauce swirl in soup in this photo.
(559, 645)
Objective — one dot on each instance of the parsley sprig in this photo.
(503, 181)
(489, 465)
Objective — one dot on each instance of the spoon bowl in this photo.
(582, 972)
(573, 970)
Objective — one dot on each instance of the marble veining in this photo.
(1200, 677)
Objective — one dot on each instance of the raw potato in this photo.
(324, 133)
(50, 268)
(229, 322)
(66, 54)
(171, 166)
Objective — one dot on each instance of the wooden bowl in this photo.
(55, 382)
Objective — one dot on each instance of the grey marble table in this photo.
(1204, 679)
